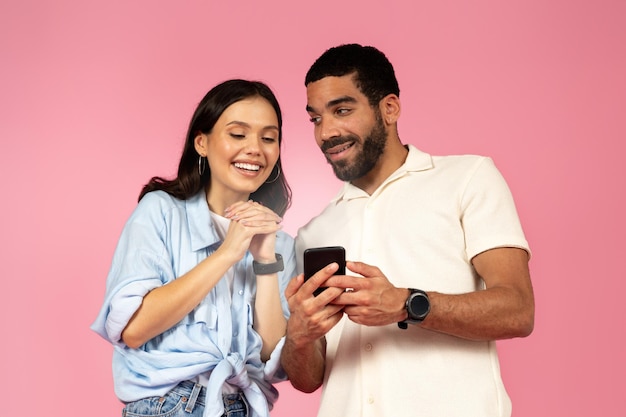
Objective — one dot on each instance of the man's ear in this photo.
(390, 108)
(200, 143)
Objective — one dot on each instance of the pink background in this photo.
(95, 98)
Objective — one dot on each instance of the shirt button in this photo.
(240, 292)
(370, 399)
(368, 347)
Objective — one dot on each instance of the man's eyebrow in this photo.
(335, 102)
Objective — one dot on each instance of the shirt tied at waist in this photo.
(232, 369)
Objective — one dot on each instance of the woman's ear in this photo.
(390, 108)
(200, 143)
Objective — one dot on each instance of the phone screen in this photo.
(318, 258)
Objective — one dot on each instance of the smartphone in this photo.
(318, 258)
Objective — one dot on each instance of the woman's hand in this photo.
(253, 227)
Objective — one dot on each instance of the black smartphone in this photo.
(318, 258)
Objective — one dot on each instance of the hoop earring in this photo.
(201, 165)
(277, 175)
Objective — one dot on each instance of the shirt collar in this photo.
(199, 221)
(416, 160)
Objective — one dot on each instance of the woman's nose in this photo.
(253, 146)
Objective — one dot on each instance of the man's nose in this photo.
(328, 129)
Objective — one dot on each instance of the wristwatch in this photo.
(417, 307)
(266, 269)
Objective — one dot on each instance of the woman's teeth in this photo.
(248, 167)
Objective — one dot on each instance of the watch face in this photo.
(420, 305)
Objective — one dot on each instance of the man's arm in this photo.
(304, 364)
(505, 309)
(304, 352)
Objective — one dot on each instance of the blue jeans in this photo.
(185, 400)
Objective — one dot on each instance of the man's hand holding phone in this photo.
(369, 297)
(312, 316)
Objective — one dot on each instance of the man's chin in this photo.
(343, 174)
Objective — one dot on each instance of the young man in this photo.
(440, 262)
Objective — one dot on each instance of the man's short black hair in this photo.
(373, 73)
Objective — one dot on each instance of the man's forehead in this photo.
(330, 91)
(333, 82)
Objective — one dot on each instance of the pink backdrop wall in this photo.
(95, 98)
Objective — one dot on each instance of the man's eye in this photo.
(343, 111)
(315, 119)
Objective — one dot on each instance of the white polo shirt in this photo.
(421, 227)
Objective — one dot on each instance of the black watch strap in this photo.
(266, 269)
(422, 305)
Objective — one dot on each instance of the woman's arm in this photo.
(165, 306)
(269, 321)
(263, 224)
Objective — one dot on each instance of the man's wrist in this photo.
(417, 307)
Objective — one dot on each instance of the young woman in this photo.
(194, 303)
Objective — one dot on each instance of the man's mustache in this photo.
(339, 140)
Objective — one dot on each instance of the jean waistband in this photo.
(186, 388)
(196, 394)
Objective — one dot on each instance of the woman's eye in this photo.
(269, 139)
(237, 135)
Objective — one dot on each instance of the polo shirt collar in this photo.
(416, 160)
(201, 229)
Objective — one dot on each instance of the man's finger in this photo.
(320, 277)
(293, 286)
(364, 269)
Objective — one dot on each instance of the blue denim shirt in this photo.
(163, 239)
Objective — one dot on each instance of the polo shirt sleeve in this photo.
(141, 263)
(488, 212)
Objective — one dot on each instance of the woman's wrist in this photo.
(268, 266)
(265, 258)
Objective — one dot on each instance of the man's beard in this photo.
(373, 148)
